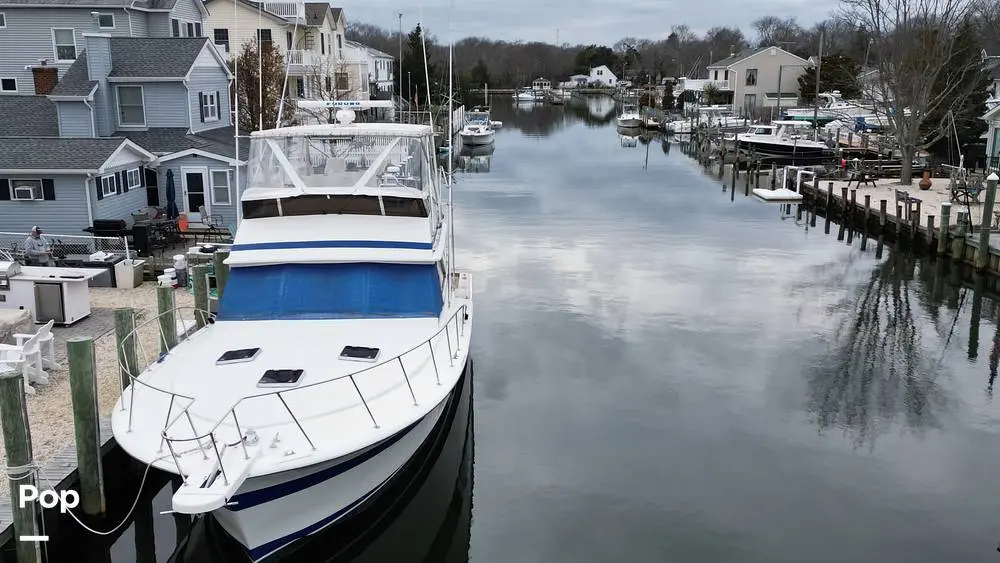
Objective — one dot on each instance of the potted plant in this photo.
(925, 180)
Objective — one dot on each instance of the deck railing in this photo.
(179, 404)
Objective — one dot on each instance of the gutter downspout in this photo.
(90, 207)
(93, 124)
(129, 14)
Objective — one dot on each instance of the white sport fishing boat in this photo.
(478, 129)
(630, 116)
(787, 138)
(341, 333)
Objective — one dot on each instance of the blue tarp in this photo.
(331, 291)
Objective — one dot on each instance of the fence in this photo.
(66, 247)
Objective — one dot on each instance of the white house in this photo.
(309, 35)
(992, 119)
(602, 75)
(380, 73)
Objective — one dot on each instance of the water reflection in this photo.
(475, 158)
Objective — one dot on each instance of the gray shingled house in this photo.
(100, 145)
(42, 38)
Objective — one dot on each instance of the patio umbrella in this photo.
(171, 194)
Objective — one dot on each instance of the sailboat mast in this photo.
(819, 64)
(451, 158)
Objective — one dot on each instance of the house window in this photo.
(288, 40)
(64, 44)
(220, 187)
(749, 103)
(26, 190)
(322, 44)
(108, 185)
(130, 106)
(106, 21)
(264, 36)
(342, 81)
(209, 107)
(751, 77)
(3, 20)
(340, 42)
(222, 38)
(726, 75)
(175, 27)
(8, 85)
(134, 180)
(189, 27)
(716, 75)
(197, 29)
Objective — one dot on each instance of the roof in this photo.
(154, 57)
(138, 4)
(337, 13)
(746, 54)
(165, 140)
(371, 50)
(76, 81)
(27, 116)
(54, 153)
(316, 12)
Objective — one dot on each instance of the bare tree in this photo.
(922, 67)
(261, 81)
(329, 80)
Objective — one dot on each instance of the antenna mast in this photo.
(236, 115)
(451, 152)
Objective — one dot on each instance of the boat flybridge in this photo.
(478, 129)
(341, 333)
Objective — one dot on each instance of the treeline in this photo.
(505, 64)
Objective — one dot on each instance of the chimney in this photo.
(46, 77)
(98, 48)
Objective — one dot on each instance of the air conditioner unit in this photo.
(27, 192)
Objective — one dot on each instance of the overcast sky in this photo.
(577, 21)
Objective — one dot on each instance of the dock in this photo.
(50, 410)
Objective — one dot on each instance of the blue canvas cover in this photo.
(331, 291)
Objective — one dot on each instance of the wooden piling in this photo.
(20, 470)
(958, 243)
(942, 246)
(983, 252)
(854, 202)
(168, 318)
(843, 201)
(774, 174)
(899, 220)
(199, 282)
(829, 195)
(868, 208)
(83, 389)
(914, 219)
(881, 212)
(929, 237)
(125, 344)
(221, 270)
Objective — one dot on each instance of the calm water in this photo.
(665, 370)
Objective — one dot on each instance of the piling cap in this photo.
(993, 177)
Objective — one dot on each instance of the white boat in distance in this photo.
(525, 95)
(478, 129)
(786, 138)
(630, 117)
(344, 255)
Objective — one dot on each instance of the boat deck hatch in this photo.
(359, 354)
(280, 378)
(237, 356)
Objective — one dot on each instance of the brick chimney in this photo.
(46, 77)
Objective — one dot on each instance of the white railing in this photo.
(301, 57)
(456, 323)
(286, 9)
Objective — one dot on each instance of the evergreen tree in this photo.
(414, 73)
(667, 103)
(838, 72)
(479, 74)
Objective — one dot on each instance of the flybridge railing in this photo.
(210, 440)
(176, 326)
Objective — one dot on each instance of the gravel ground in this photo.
(50, 410)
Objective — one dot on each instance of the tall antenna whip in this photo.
(236, 109)
(427, 72)
(451, 145)
(288, 60)
(260, 67)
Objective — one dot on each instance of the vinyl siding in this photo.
(159, 24)
(164, 104)
(66, 215)
(140, 24)
(767, 66)
(119, 206)
(187, 10)
(228, 212)
(208, 80)
(98, 66)
(30, 30)
(74, 119)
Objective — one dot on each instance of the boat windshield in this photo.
(301, 162)
(478, 118)
(629, 108)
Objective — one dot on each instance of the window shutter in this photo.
(48, 189)
(124, 177)
(142, 176)
(218, 104)
(118, 182)
(4, 189)
(201, 106)
(100, 187)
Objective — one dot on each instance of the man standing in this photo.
(36, 249)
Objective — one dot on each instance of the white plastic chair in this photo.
(16, 365)
(46, 345)
(29, 357)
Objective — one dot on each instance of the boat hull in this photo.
(477, 139)
(629, 122)
(272, 511)
(782, 149)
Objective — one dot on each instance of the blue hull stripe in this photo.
(273, 545)
(290, 245)
(260, 496)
